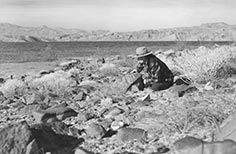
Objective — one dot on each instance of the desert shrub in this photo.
(109, 69)
(202, 64)
(57, 82)
(13, 87)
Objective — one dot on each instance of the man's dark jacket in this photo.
(156, 69)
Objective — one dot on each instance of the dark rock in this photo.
(49, 141)
(62, 111)
(180, 90)
(44, 72)
(32, 148)
(2, 80)
(95, 131)
(59, 127)
(181, 81)
(130, 134)
(42, 117)
(15, 138)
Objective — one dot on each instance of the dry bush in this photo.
(109, 69)
(57, 82)
(13, 87)
(202, 64)
(198, 117)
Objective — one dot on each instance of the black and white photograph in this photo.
(117, 77)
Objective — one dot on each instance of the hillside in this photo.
(204, 32)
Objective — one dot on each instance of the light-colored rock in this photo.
(129, 134)
(95, 131)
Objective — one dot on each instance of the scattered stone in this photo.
(95, 131)
(129, 134)
(80, 96)
(117, 125)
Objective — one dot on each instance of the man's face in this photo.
(141, 60)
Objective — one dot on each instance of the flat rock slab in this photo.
(129, 134)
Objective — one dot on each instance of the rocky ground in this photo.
(80, 108)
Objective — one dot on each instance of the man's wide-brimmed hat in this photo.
(142, 52)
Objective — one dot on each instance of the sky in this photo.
(117, 15)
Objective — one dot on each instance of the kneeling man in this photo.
(153, 72)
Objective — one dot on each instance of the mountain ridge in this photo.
(219, 31)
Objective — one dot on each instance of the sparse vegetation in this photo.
(202, 64)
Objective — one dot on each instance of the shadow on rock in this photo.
(19, 138)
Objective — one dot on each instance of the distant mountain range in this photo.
(205, 32)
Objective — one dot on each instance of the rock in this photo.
(59, 127)
(42, 117)
(106, 123)
(62, 111)
(32, 148)
(146, 98)
(180, 90)
(29, 109)
(2, 80)
(117, 125)
(95, 131)
(15, 138)
(227, 129)
(208, 86)
(83, 117)
(49, 141)
(129, 134)
(82, 151)
(44, 72)
(115, 111)
(80, 96)
(216, 84)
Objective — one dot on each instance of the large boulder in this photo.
(15, 138)
(21, 139)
